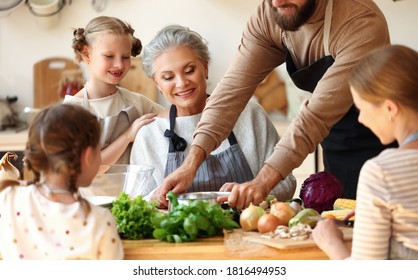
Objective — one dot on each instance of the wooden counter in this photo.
(209, 249)
(13, 141)
(216, 248)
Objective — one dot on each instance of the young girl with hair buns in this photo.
(48, 219)
(106, 46)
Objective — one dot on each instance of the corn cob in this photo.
(338, 214)
(344, 204)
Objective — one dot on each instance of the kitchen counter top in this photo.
(11, 140)
(228, 247)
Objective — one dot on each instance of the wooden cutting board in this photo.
(237, 247)
(48, 74)
(255, 237)
(137, 81)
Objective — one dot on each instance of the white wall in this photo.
(23, 42)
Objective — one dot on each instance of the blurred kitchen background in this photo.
(36, 66)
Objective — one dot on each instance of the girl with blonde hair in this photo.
(106, 46)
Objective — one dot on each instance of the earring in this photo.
(390, 118)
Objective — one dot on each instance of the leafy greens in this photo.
(188, 222)
(133, 216)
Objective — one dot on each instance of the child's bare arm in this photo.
(113, 152)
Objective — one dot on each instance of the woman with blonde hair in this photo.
(384, 86)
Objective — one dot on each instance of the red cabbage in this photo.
(320, 191)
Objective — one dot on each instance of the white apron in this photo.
(113, 126)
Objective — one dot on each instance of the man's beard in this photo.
(293, 22)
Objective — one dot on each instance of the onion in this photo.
(250, 216)
(267, 223)
(283, 211)
(296, 206)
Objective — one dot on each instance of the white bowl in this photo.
(113, 179)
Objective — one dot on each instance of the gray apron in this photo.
(113, 126)
(349, 143)
(227, 166)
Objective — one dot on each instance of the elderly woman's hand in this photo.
(160, 198)
(178, 182)
(182, 178)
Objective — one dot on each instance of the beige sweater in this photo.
(387, 205)
(357, 27)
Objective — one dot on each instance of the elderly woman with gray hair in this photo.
(177, 60)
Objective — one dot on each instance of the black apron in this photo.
(349, 143)
(229, 165)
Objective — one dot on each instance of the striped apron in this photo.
(229, 165)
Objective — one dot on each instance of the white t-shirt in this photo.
(33, 227)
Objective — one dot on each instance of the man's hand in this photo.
(254, 191)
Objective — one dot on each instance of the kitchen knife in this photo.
(343, 223)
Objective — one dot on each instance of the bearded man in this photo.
(320, 41)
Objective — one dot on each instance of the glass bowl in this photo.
(111, 180)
